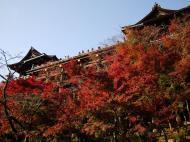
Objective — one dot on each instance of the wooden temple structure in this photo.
(32, 60)
(158, 16)
(44, 66)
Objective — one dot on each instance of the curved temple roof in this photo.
(157, 13)
(32, 57)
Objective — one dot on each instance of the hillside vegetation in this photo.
(140, 93)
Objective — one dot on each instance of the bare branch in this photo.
(3, 77)
(4, 62)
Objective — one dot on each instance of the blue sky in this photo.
(65, 27)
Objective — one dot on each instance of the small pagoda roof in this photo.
(157, 14)
(32, 57)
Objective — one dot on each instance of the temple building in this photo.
(44, 66)
(158, 16)
(32, 60)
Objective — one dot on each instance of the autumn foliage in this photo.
(141, 93)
